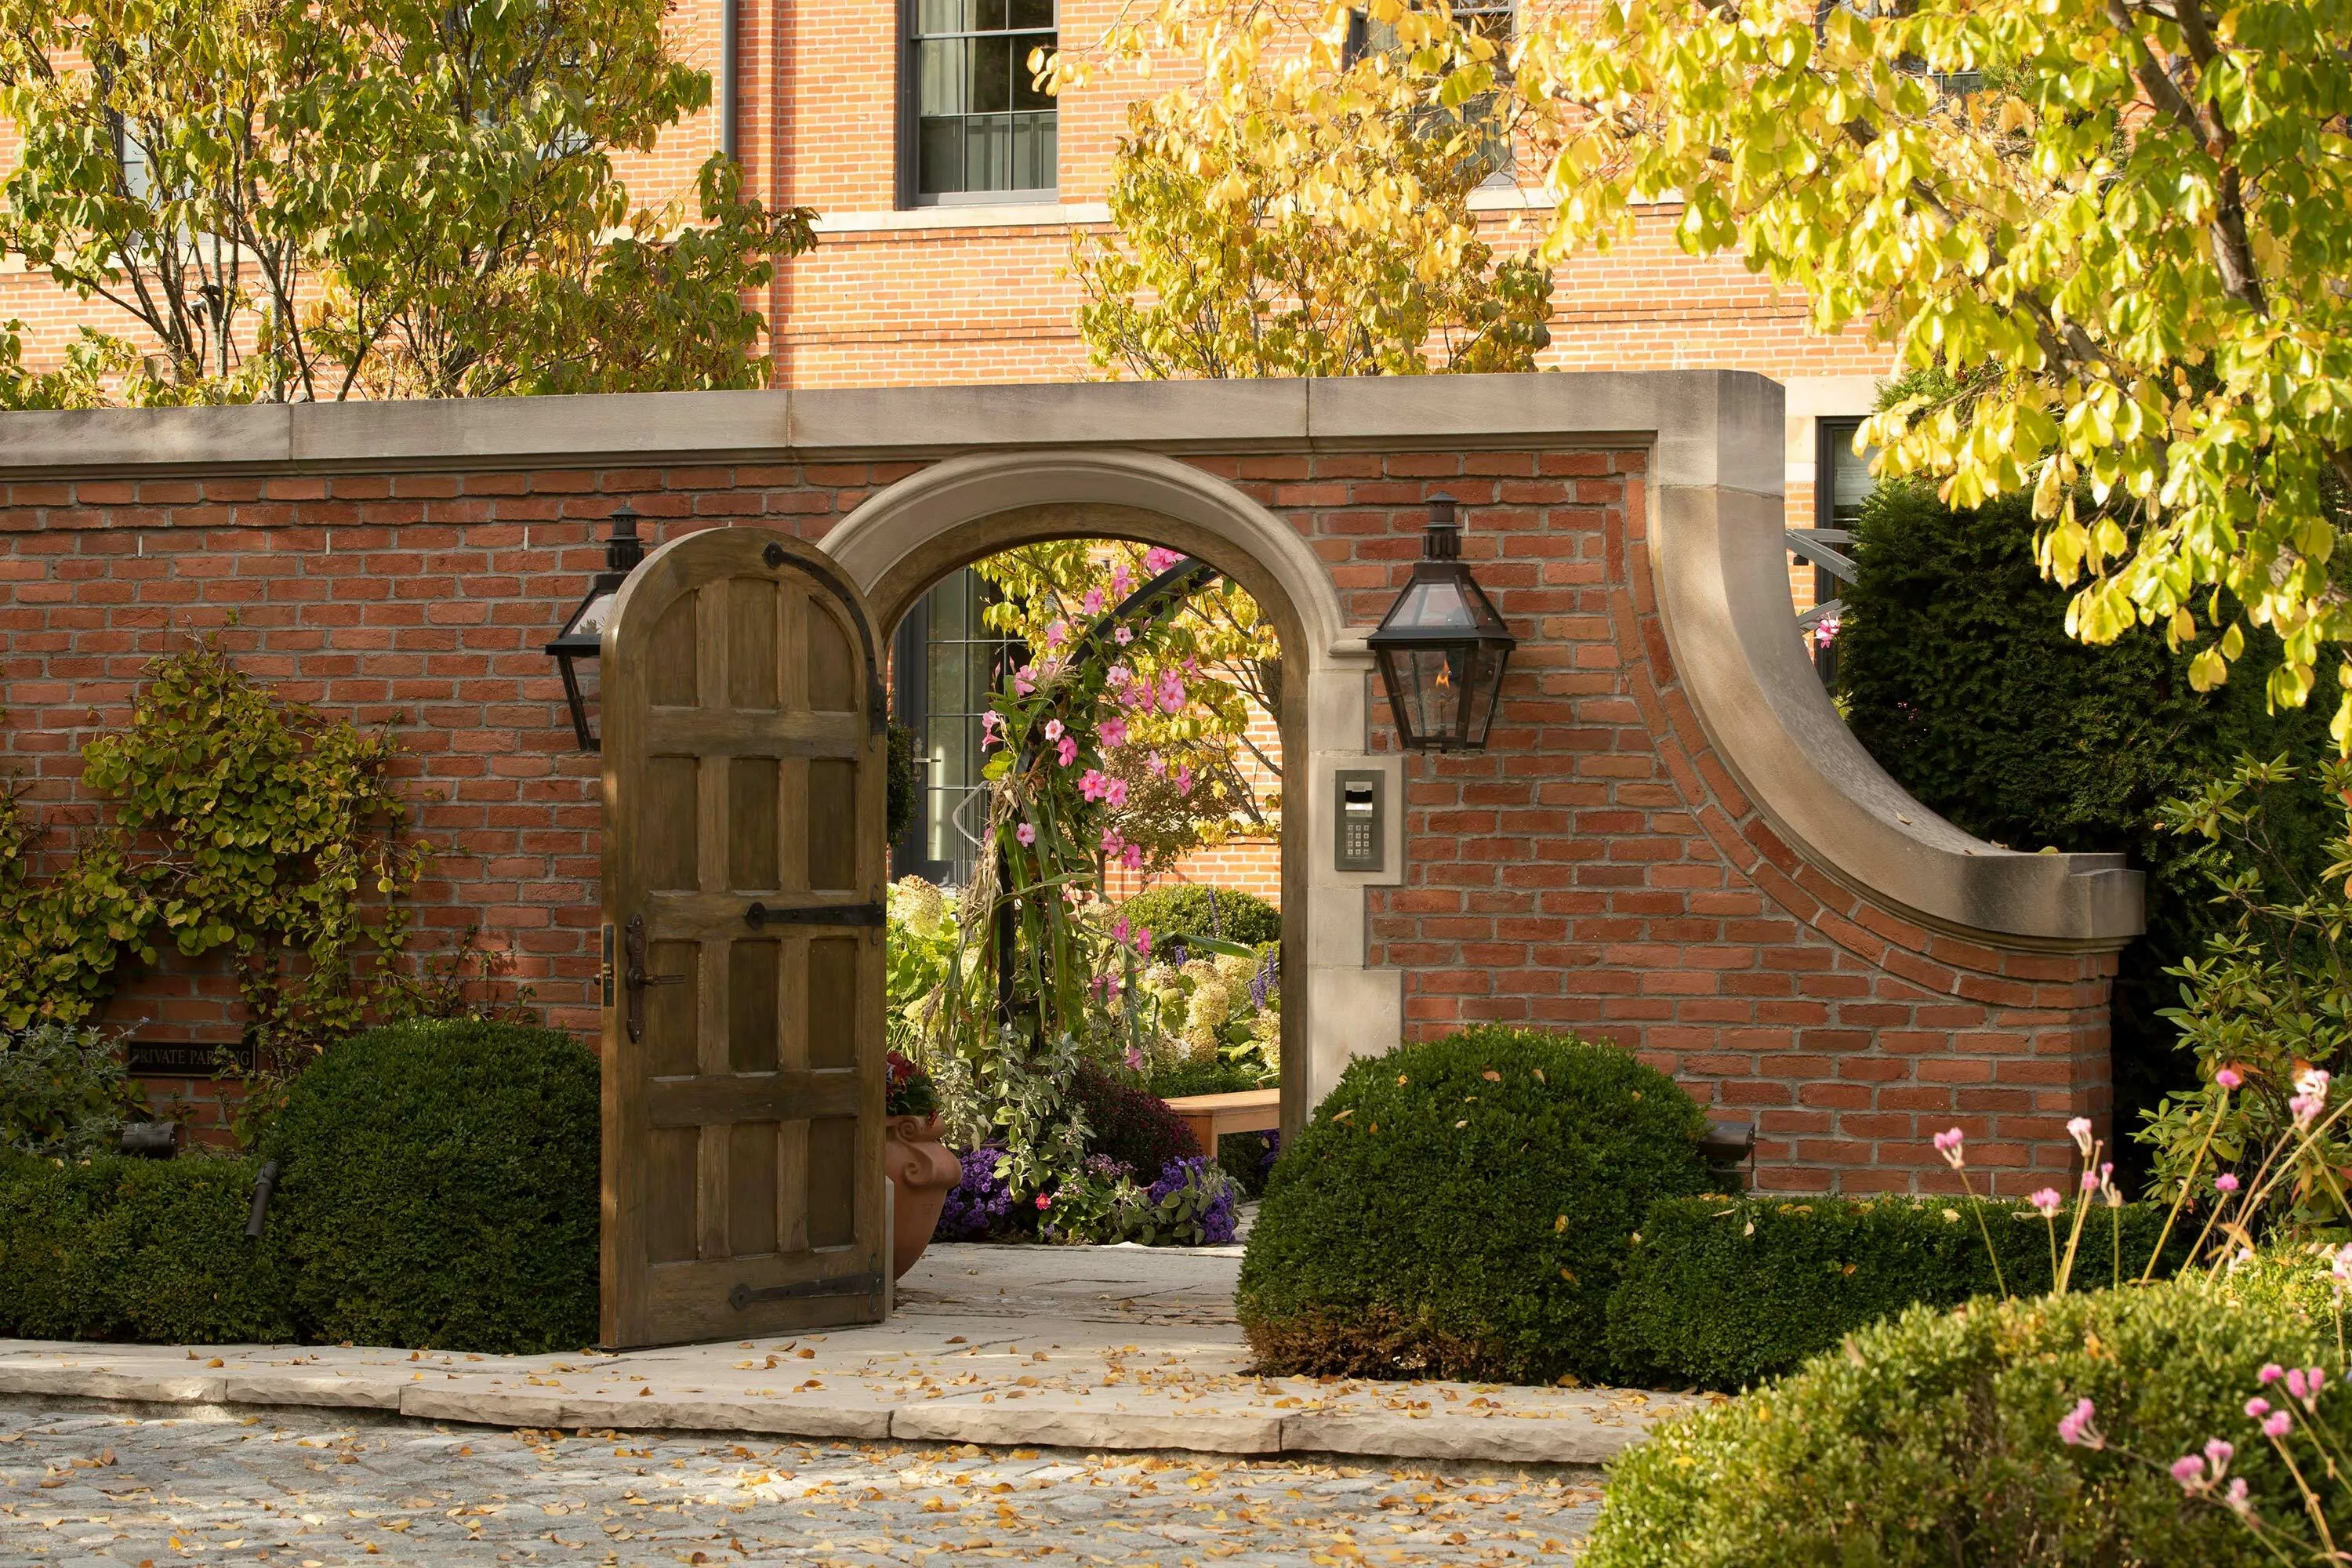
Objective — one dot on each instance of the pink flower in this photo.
(2272, 1371)
(2047, 1201)
(1172, 692)
(1122, 581)
(1134, 1059)
(1068, 750)
(1111, 842)
(2090, 1182)
(2225, 1182)
(1159, 558)
(1094, 601)
(1058, 633)
(2218, 1454)
(2236, 1499)
(1044, 1202)
(2311, 1096)
(1123, 636)
(2295, 1384)
(2107, 1185)
(2189, 1471)
(1184, 780)
(1091, 782)
(2257, 1408)
(1132, 857)
(1053, 729)
(1948, 1144)
(2079, 1129)
(1115, 793)
(1143, 941)
(1118, 927)
(1026, 833)
(2278, 1426)
(1157, 764)
(1024, 679)
(2074, 1427)
(1113, 731)
(2228, 1077)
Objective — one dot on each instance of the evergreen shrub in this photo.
(441, 1187)
(1957, 675)
(150, 1250)
(1724, 1292)
(1932, 1439)
(1180, 909)
(1462, 1208)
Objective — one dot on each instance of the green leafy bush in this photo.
(1180, 909)
(1932, 1439)
(1726, 1291)
(1462, 1208)
(63, 1091)
(151, 1250)
(441, 1188)
(1130, 1125)
(1959, 676)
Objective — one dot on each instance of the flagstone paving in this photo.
(86, 1484)
(1127, 1348)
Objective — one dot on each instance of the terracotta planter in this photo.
(923, 1171)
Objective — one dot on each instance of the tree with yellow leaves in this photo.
(2119, 229)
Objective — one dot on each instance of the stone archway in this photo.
(1334, 1006)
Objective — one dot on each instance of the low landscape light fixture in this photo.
(1442, 646)
(576, 647)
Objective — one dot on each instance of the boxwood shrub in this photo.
(441, 1188)
(1190, 908)
(1723, 1291)
(137, 1249)
(1932, 1439)
(1462, 1208)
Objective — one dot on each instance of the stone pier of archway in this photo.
(1672, 841)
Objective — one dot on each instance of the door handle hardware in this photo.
(635, 978)
(759, 915)
(742, 1296)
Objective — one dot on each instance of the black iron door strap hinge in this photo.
(762, 915)
(742, 1296)
(633, 947)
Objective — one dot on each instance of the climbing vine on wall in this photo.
(235, 822)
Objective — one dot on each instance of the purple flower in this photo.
(2074, 1427)
(979, 1203)
(1217, 1219)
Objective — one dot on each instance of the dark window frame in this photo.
(1505, 174)
(909, 127)
(912, 706)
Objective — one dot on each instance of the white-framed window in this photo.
(978, 129)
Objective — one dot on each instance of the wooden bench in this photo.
(1211, 1116)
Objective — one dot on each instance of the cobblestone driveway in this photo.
(86, 1485)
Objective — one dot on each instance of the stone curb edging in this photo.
(1487, 1439)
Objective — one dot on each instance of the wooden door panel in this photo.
(743, 1064)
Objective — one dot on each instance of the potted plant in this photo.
(918, 1165)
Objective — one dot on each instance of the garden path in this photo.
(1119, 1348)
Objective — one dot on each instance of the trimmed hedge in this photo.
(1932, 1439)
(137, 1249)
(1462, 1208)
(1130, 1125)
(441, 1188)
(1180, 909)
(1724, 1292)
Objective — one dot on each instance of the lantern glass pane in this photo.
(1433, 681)
(1432, 604)
(590, 620)
(1485, 690)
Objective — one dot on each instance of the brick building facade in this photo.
(1661, 844)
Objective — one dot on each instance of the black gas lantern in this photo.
(1442, 646)
(577, 645)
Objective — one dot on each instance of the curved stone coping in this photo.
(1721, 568)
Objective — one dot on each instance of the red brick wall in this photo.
(1596, 868)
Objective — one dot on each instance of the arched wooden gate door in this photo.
(743, 744)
